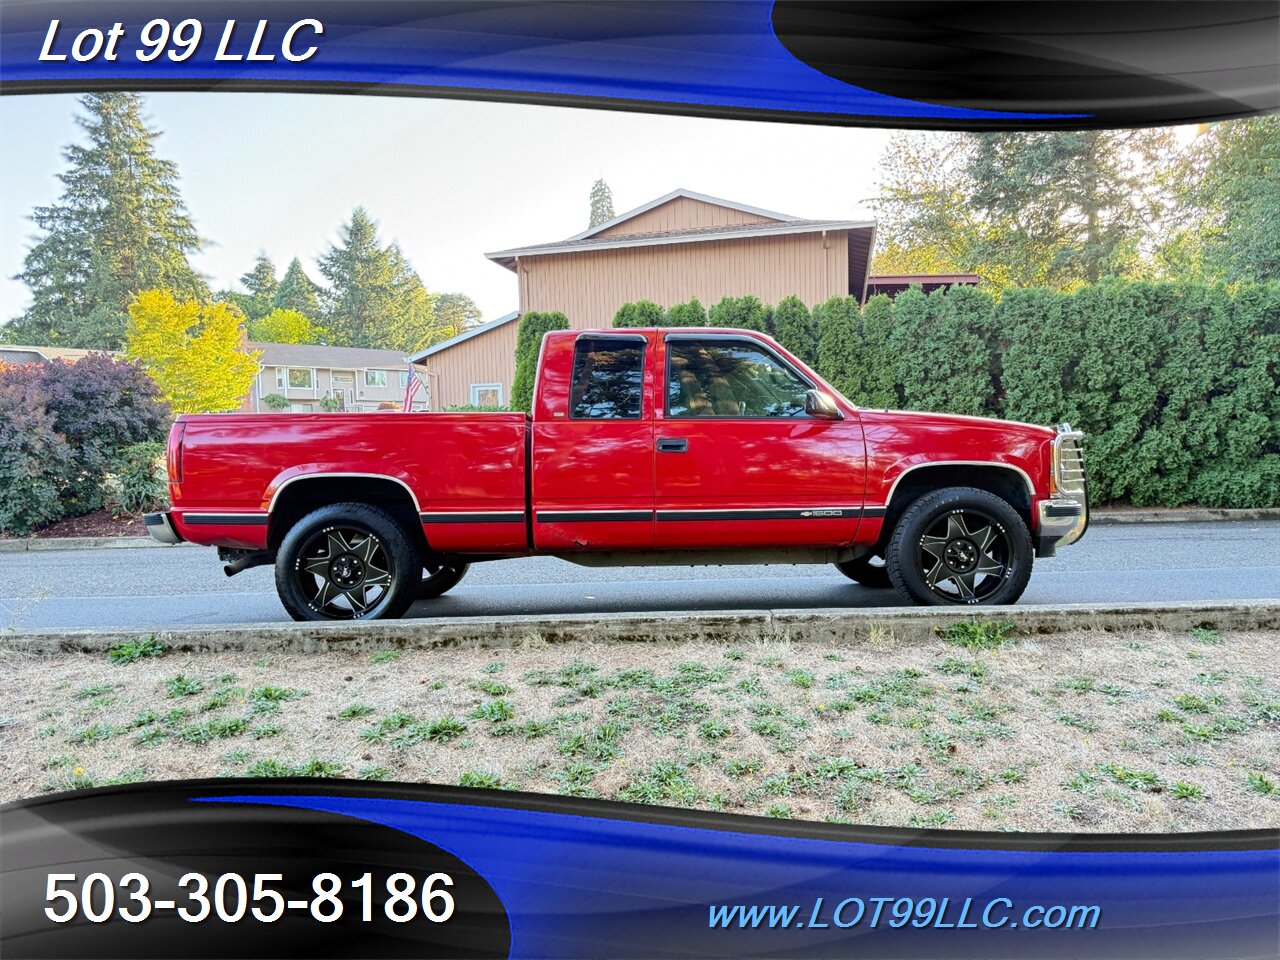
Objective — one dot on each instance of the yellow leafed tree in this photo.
(193, 350)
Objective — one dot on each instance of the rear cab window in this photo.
(608, 378)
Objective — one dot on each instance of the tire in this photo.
(347, 561)
(438, 578)
(869, 571)
(960, 546)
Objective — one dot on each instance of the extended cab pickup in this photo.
(686, 446)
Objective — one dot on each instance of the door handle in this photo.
(672, 445)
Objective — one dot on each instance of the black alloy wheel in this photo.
(439, 577)
(960, 546)
(349, 561)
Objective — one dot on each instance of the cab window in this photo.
(730, 378)
(608, 375)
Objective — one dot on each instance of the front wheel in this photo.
(960, 545)
(347, 561)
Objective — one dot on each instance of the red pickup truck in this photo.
(690, 446)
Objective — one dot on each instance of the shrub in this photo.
(642, 313)
(688, 314)
(276, 401)
(138, 482)
(35, 460)
(794, 327)
(839, 346)
(533, 327)
(740, 313)
(99, 405)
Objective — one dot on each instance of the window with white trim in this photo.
(375, 378)
(281, 373)
(302, 378)
(486, 394)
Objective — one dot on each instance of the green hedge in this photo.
(1177, 385)
(533, 327)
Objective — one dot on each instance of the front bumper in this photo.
(1063, 521)
(160, 526)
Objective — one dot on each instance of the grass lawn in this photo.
(1145, 731)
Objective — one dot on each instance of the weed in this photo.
(213, 729)
(384, 656)
(388, 725)
(979, 634)
(742, 768)
(482, 779)
(955, 667)
(495, 667)
(1186, 791)
(1143, 781)
(1193, 703)
(800, 678)
(734, 654)
(779, 812)
(354, 711)
(939, 818)
(265, 730)
(713, 730)
(131, 651)
(270, 694)
(93, 734)
(492, 687)
(1013, 775)
(1263, 785)
(431, 731)
(373, 773)
(97, 690)
(494, 711)
(1203, 635)
(182, 686)
(1077, 721)
(665, 782)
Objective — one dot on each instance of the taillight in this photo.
(175, 451)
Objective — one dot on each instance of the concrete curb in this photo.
(1189, 515)
(81, 543)
(1100, 517)
(826, 626)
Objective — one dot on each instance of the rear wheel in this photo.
(869, 571)
(348, 561)
(960, 546)
(439, 577)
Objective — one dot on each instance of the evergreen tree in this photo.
(297, 292)
(119, 227)
(839, 345)
(532, 328)
(601, 203)
(262, 285)
(794, 328)
(691, 313)
(375, 299)
(642, 313)
(740, 313)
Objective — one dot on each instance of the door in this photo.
(593, 458)
(738, 462)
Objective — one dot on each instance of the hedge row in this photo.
(1177, 385)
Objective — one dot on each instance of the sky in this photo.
(449, 180)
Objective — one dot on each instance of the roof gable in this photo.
(694, 207)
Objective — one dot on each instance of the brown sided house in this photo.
(678, 246)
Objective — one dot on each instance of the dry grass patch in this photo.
(1144, 731)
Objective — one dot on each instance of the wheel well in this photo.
(301, 497)
(1005, 482)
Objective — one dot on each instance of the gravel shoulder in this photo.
(1140, 731)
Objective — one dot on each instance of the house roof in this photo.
(693, 235)
(467, 335)
(326, 358)
(26, 353)
(906, 279)
(674, 195)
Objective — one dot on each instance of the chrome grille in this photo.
(1068, 461)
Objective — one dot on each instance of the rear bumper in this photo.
(1063, 521)
(161, 528)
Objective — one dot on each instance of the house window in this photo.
(301, 378)
(375, 378)
(280, 377)
(302, 408)
(404, 379)
(486, 394)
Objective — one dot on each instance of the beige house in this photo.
(678, 246)
(305, 374)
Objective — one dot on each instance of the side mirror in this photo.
(820, 406)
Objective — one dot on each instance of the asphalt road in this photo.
(150, 587)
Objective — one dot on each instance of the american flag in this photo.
(411, 388)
